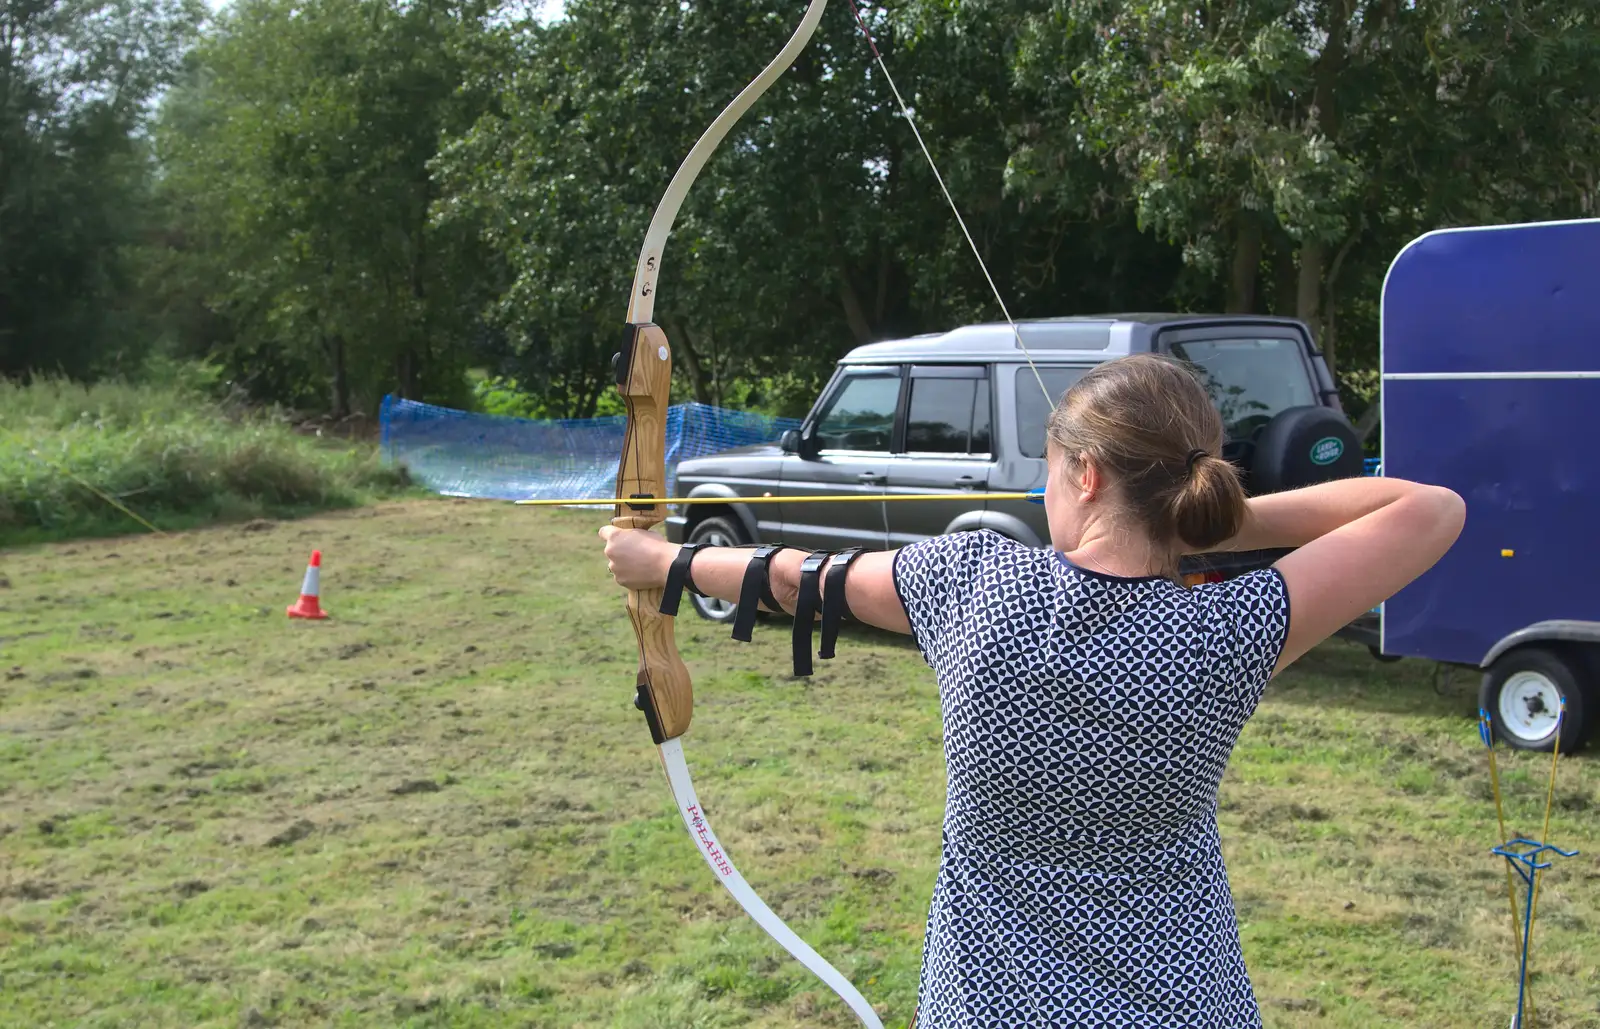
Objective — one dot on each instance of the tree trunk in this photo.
(405, 373)
(855, 315)
(411, 361)
(1308, 292)
(582, 403)
(692, 365)
(1285, 281)
(333, 346)
(1246, 263)
(880, 309)
(1330, 301)
(1329, 66)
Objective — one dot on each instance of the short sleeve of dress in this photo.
(1256, 607)
(932, 577)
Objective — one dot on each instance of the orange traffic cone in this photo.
(307, 606)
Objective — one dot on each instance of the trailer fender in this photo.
(1562, 630)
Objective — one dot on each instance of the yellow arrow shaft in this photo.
(832, 498)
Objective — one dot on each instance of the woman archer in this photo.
(1090, 702)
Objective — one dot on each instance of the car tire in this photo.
(1302, 446)
(716, 531)
(1523, 693)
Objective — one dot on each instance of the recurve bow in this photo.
(644, 378)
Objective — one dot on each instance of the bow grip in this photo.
(644, 379)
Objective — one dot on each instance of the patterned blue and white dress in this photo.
(1087, 720)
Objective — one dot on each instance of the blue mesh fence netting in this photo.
(462, 454)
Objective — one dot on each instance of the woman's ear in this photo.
(1088, 477)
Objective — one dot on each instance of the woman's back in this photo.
(1087, 722)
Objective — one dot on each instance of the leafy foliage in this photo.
(77, 78)
(343, 198)
(299, 149)
(1298, 146)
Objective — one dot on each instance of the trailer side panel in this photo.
(1491, 386)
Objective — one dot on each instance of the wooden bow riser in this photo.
(644, 378)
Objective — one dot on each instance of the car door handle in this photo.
(871, 478)
(968, 482)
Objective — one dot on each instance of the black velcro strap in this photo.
(835, 608)
(678, 577)
(754, 591)
(805, 609)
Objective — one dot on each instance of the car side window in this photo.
(860, 414)
(949, 411)
(1032, 406)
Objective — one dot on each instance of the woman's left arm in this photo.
(640, 559)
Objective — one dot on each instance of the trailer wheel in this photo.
(1523, 691)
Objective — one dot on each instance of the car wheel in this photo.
(716, 532)
(1524, 690)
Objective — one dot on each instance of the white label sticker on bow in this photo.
(661, 352)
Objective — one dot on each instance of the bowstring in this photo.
(905, 112)
(1486, 730)
(1544, 836)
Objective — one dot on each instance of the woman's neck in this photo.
(1120, 553)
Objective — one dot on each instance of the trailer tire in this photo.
(1302, 446)
(1523, 691)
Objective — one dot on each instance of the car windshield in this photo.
(1033, 408)
(1250, 380)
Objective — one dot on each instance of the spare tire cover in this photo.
(1302, 446)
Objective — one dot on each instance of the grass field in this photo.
(440, 808)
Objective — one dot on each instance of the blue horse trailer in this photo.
(1490, 356)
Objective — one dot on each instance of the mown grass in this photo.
(440, 808)
(170, 454)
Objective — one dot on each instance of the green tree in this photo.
(816, 226)
(297, 158)
(1293, 147)
(76, 81)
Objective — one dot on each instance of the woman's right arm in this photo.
(1359, 542)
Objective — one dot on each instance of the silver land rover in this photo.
(962, 412)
